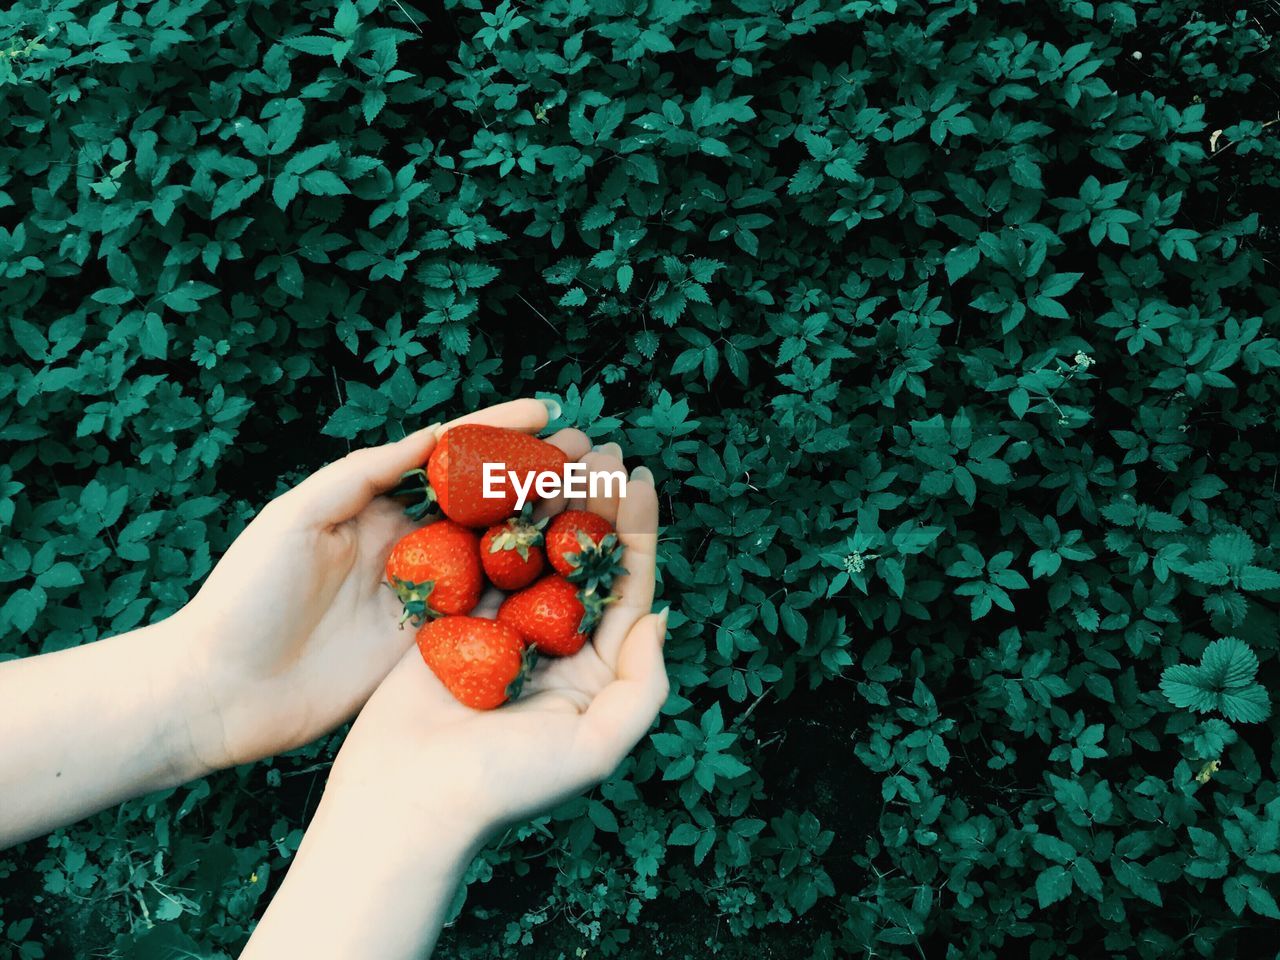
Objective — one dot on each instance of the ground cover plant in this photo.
(948, 328)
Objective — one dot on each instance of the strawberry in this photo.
(436, 570)
(583, 547)
(483, 663)
(454, 474)
(510, 552)
(553, 615)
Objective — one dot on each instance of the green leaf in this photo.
(313, 44)
(61, 574)
(347, 19)
(1052, 885)
(1222, 681)
(1228, 663)
(684, 835)
(285, 189)
(1249, 704)
(29, 338)
(960, 261)
(1135, 878)
(113, 295)
(1259, 578)
(324, 183)
(574, 298)
(372, 103)
(153, 337)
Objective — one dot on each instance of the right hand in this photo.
(416, 755)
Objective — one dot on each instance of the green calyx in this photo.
(415, 487)
(527, 661)
(596, 565)
(414, 598)
(521, 534)
(593, 608)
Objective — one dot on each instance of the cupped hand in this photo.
(294, 628)
(415, 754)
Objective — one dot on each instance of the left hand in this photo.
(417, 754)
(422, 780)
(294, 628)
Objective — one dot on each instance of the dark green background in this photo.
(949, 330)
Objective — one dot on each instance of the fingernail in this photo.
(662, 624)
(609, 449)
(553, 408)
(642, 475)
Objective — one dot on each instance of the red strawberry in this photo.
(454, 475)
(553, 615)
(481, 662)
(583, 547)
(510, 552)
(436, 570)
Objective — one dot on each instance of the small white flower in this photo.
(854, 563)
(1083, 360)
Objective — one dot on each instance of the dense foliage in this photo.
(948, 328)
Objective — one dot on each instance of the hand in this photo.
(415, 746)
(421, 779)
(294, 627)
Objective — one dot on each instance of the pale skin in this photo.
(258, 663)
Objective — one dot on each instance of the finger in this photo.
(340, 490)
(527, 415)
(597, 462)
(575, 445)
(610, 449)
(603, 494)
(637, 528)
(621, 713)
(593, 460)
(381, 525)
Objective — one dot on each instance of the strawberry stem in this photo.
(593, 608)
(520, 534)
(527, 661)
(414, 596)
(415, 485)
(596, 566)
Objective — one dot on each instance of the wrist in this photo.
(401, 819)
(372, 877)
(186, 699)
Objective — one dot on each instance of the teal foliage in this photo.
(949, 329)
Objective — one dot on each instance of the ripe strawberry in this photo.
(510, 552)
(553, 615)
(436, 570)
(454, 475)
(483, 663)
(583, 547)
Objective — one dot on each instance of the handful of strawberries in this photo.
(439, 571)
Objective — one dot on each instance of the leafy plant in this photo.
(1223, 681)
(949, 330)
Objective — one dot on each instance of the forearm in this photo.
(85, 728)
(371, 879)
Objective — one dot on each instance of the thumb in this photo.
(621, 713)
(340, 490)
